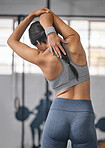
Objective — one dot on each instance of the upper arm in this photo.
(30, 54)
(68, 33)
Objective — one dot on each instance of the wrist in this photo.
(52, 34)
(32, 14)
(50, 30)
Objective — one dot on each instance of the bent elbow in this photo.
(8, 41)
(77, 36)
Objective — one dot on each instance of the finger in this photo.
(45, 8)
(63, 41)
(55, 51)
(58, 51)
(62, 49)
(45, 11)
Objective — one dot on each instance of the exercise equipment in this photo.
(101, 124)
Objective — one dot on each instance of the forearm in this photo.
(47, 20)
(63, 29)
(18, 32)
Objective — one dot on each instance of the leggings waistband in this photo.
(72, 105)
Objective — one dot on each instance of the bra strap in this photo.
(66, 48)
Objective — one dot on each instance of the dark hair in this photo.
(37, 32)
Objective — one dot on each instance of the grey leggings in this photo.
(70, 119)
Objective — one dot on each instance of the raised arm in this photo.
(62, 28)
(24, 51)
(68, 33)
(53, 39)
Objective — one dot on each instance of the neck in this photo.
(47, 46)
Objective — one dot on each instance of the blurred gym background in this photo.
(25, 96)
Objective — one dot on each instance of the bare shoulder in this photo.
(45, 58)
(49, 65)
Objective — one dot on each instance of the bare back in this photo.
(53, 68)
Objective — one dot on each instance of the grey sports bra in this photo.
(67, 78)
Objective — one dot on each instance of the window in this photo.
(97, 48)
(6, 28)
